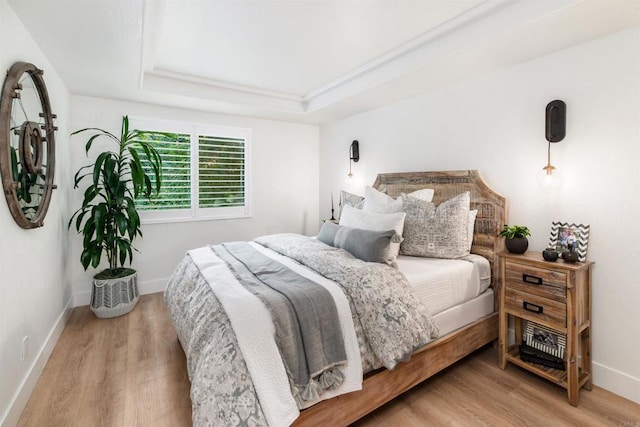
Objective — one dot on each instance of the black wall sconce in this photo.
(354, 155)
(555, 127)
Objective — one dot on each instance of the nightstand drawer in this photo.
(539, 281)
(533, 307)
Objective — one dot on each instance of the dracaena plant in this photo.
(108, 218)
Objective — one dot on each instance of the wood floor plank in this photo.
(131, 371)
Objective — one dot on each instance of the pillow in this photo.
(471, 226)
(367, 245)
(425, 194)
(356, 218)
(377, 201)
(436, 231)
(348, 199)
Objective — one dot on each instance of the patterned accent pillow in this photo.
(425, 194)
(436, 231)
(348, 199)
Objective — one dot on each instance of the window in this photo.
(205, 172)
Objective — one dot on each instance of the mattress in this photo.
(462, 314)
(444, 283)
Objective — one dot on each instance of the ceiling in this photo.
(301, 60)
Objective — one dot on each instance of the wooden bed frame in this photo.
(381, 386)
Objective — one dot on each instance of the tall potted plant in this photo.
(108, 219)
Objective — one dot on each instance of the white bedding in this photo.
(444, 283)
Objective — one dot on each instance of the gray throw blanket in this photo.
(308, 332)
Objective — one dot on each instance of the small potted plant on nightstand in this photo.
(515, 238)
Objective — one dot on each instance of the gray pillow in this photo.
(436, 231)
(367, 245)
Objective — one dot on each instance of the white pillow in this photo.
(425, 194)
(356, 218)
(377, 201)
(472, 223)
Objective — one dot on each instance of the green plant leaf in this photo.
(96, 254)
(85, 258)
(121, 221)
(88, 231)
(123, 247)
(87, 147)
(99, 216)
(514, 231)
(82, 212)
(125, 128)
(97, 167)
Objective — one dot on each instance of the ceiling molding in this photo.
(488, 20)
(197, 87)
(477, 12)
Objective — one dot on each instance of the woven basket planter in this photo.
(114, 297)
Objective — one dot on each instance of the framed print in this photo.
(545, 339)
(566, 235)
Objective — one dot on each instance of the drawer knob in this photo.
(532, 307)
(534, 280)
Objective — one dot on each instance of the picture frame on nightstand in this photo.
(565, 234)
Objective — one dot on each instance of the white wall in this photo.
(35, 294)
(284, 189)
(495, 123)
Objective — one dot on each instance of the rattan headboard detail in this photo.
(492, 207)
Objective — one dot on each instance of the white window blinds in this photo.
(205, 173)
(221, 165)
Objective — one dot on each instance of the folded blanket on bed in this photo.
(308, 331)
(232, 357)
(394, 321)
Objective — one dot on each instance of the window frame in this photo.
(196, 213)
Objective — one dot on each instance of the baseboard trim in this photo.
(616, 382)
(148, 287)
(30, 380)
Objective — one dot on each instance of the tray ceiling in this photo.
(300, 60)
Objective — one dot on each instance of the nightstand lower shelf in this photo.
(554, 375)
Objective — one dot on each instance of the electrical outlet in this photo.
(25, 348)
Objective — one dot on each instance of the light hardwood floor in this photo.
(131, 371)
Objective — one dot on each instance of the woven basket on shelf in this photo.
(114, 297)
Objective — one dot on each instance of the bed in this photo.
(466, 326)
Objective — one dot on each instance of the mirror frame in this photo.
(11, 91)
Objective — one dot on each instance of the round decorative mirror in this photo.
(27, 144)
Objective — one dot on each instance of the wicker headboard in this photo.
(492, 207)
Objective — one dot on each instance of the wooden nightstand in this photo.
(556, 295)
